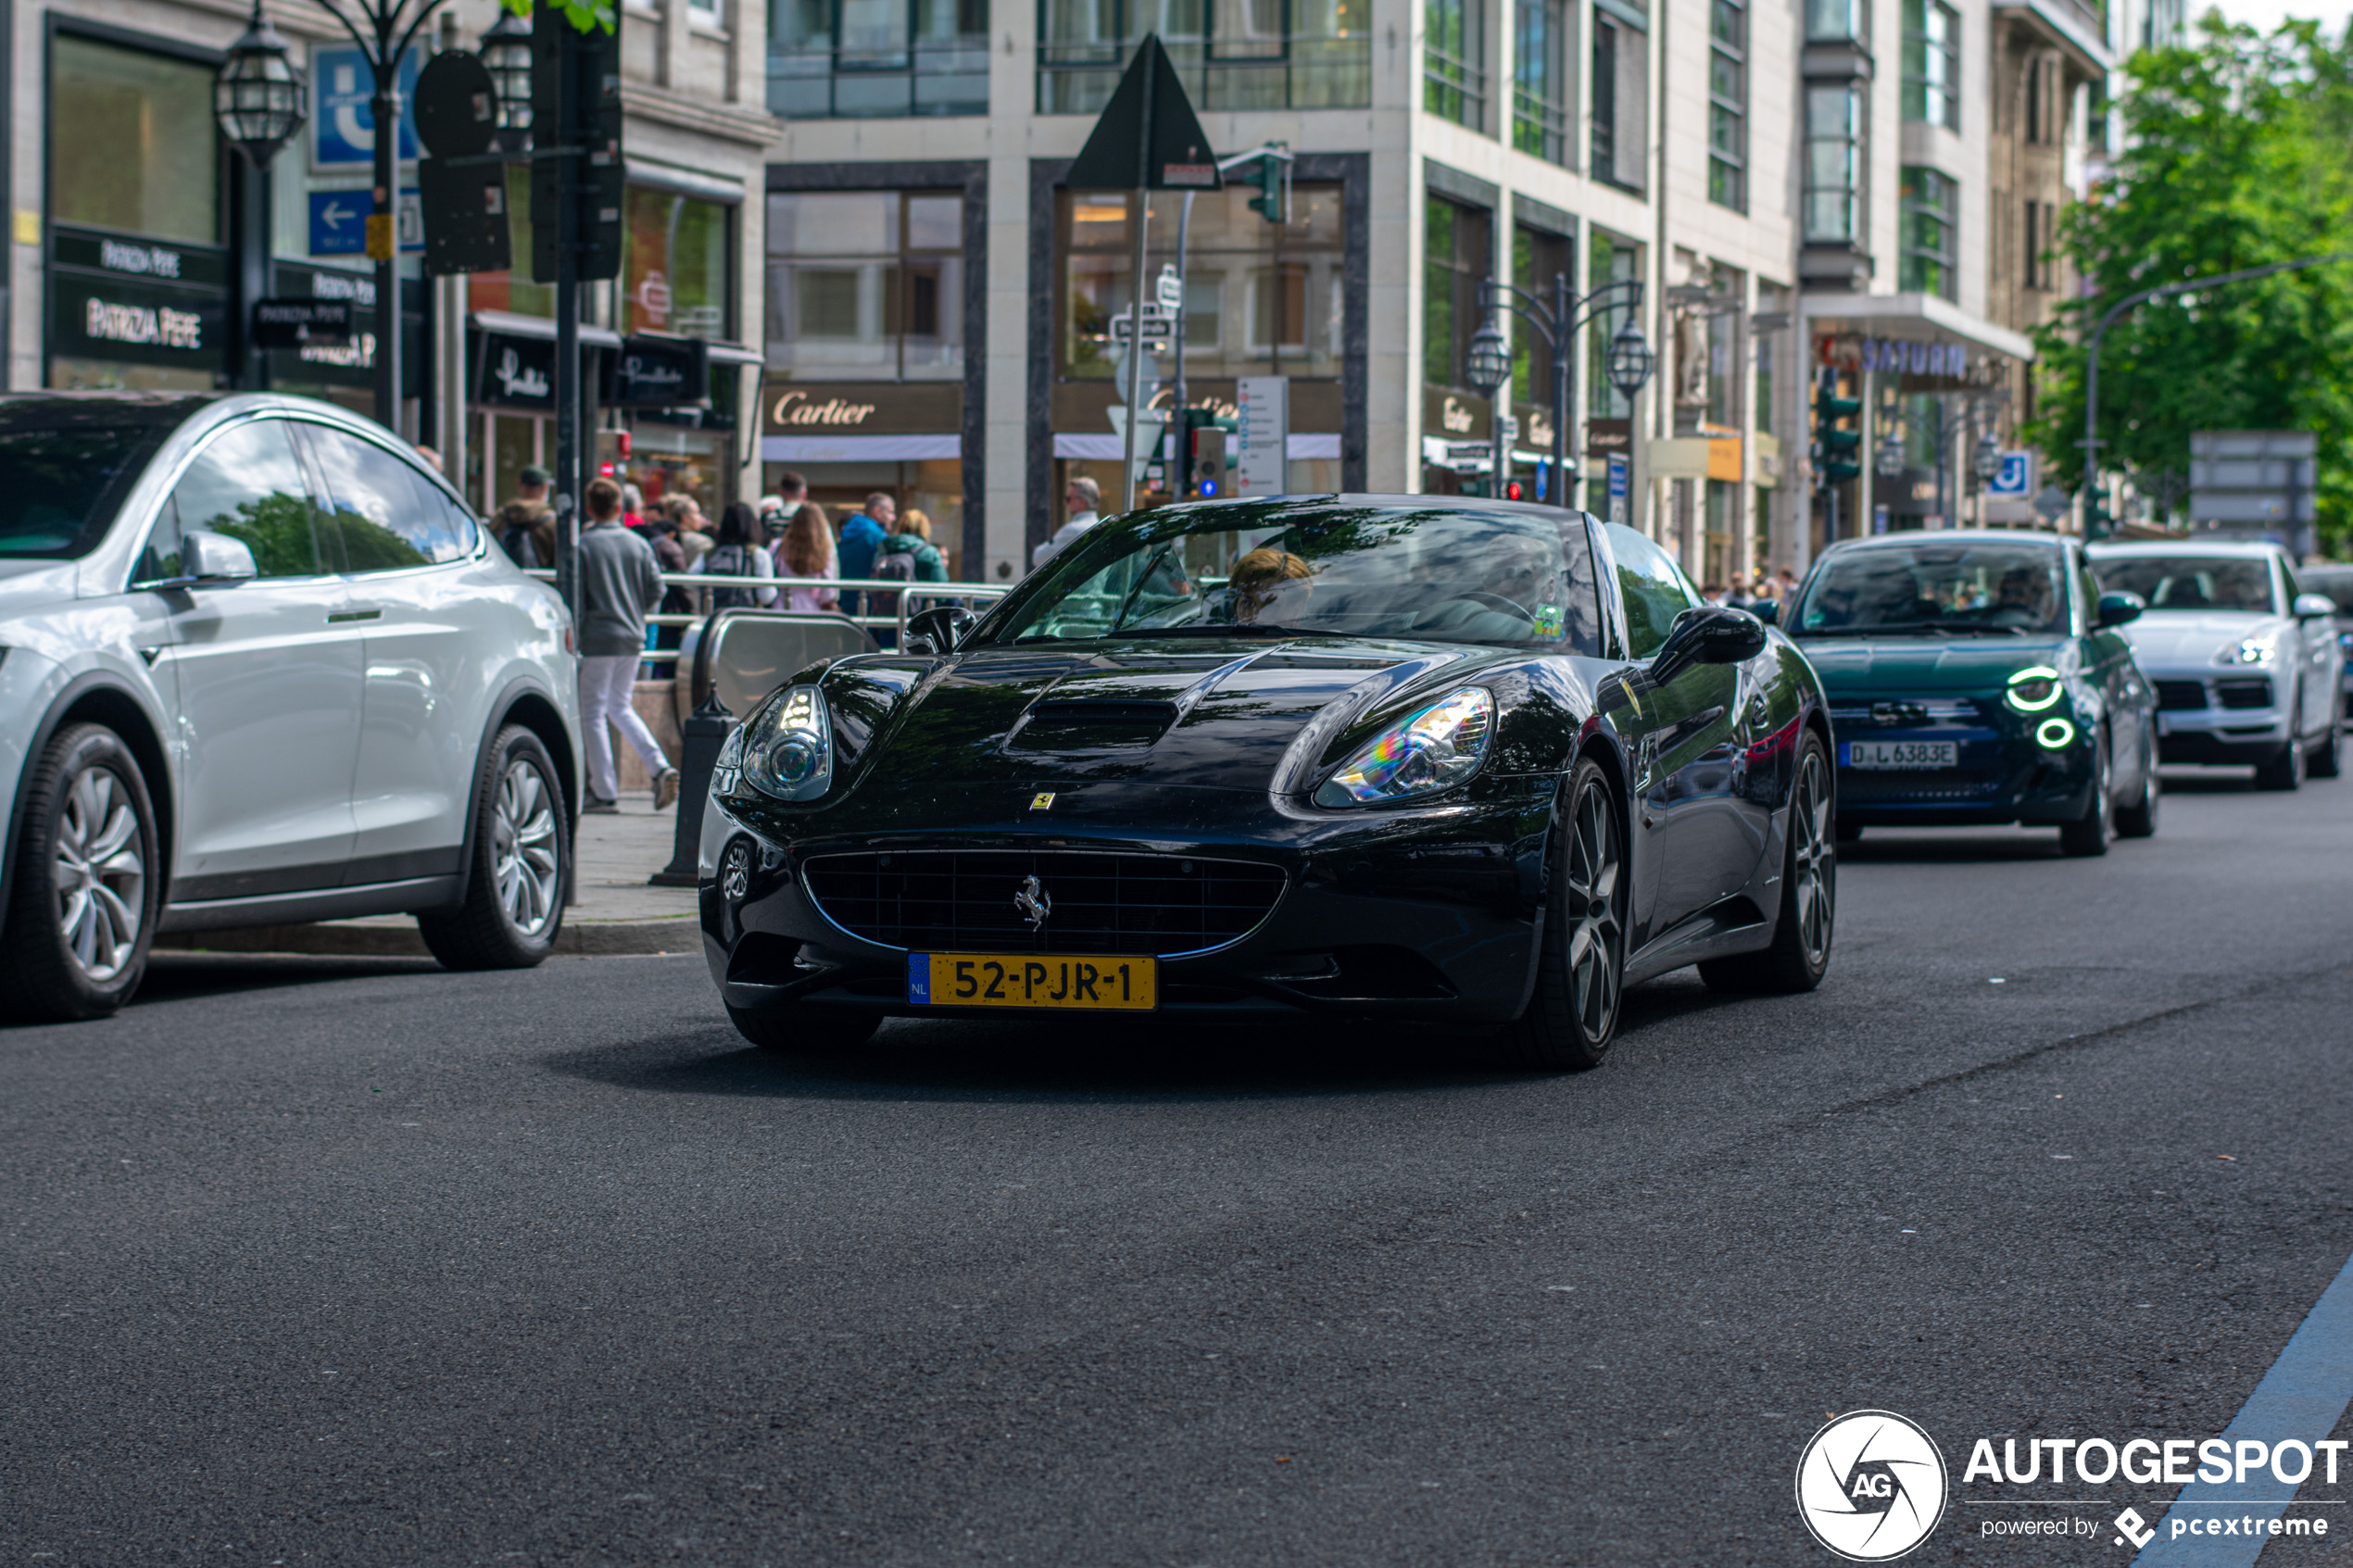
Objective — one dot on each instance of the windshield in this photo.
(1993, 588)
(2190, 582)
(1437, 573)
(59, 488)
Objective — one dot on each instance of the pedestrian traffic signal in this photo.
(1838, 449)
(1273, 179)
(1209, 460)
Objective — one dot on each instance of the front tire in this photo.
(82, 911)
(1581, 977)
(2091, 833)
(514, 904)
(2325, 762)
(1800, 953)
(2139, 819)
(801, 1032)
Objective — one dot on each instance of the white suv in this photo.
(258, 664)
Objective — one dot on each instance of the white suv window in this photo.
(244, 484)
(383, 514)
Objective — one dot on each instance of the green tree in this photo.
(2236, 155)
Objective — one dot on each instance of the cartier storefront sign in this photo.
(789, 408)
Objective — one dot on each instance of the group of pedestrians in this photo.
(627, 549)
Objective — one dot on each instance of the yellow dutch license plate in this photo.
(1009, 980)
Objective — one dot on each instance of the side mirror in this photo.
(211, 560)
(2313, 605)
(939, 629)
(2115, 610)
(1766, 610)
(1707, 634)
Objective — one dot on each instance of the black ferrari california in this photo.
(1464, 761)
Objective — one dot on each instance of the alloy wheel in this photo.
(1812, 849)
(101, 874)
(1595, 904)
(523, 849)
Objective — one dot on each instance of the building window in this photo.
(1539, 93)
(1453, 56)
(1833, 156)
(1260, 299)
(1536, 259)
(1932, 208)
(1834, 21)
(1728, 104)
(1724, 367)
(2042, 118)
(1457, 251)
(1771, 300)
(1931, 64)
(1613, 260)
(2041, 222)
(675, 271)
(1231, 55)
(1621, 102)
(862, 59)
(138, 153)
(866, 285)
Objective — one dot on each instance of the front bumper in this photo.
(2002, 774)
(1429, 912)
(2220, 717)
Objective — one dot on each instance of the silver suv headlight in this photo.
(2250, 650)
(787, 748)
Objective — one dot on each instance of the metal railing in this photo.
(979, 594)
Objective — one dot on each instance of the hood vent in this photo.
(1066, 723)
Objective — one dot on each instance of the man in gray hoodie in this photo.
(619, 583)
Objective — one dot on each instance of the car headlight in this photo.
(2056, 733)
(1433, 749)
(787, 749)
(2033, 688)
(2250, 650)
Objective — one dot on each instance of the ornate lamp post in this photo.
(1629, 360)
(1487, 365)
(506, 54)
(261, 102)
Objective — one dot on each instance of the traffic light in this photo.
(1511, 490)
(1838, 450)
(1209, 460)
(575, 104)
(1273, 179)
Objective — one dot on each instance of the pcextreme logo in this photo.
(1871, 1486)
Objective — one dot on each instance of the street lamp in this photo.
(1627, 362)
(506, 54)
(258, 99)
(1488, 364)
(1630, 358)
(1986, 463)
(1889, 459)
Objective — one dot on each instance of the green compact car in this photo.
(1978, 678)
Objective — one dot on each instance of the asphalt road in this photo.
(305, 1260)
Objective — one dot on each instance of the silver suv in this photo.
(259, 664)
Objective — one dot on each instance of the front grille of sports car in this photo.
(2248, 691)
(2175, 697)
(963, 901)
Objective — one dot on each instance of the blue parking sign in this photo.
(2014, 478)
(339, 222)
(343, 122)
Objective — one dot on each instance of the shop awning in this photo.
(734, 354)
(513, 325)
(1923, 318)
(860, 448)
(1301, 447)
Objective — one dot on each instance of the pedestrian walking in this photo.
(1082, 496)
(808, 551)
(633, 512)
(525, 527)
(911, 540)
(739, 554)
(619, 583)
(693, 536)
(861, 536)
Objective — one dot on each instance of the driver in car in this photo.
(1268, 580)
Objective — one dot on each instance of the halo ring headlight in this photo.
(2056, 734)
(2033, 688)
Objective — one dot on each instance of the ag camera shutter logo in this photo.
(1871, 1486)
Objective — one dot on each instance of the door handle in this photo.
(339, 616)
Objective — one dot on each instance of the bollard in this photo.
(706, 732)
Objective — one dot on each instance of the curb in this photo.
(605, 939)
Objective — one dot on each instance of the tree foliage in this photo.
(2237, 155)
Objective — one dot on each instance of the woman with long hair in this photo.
(737, 554)
(808, 551)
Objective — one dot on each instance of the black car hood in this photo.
(1216, 714)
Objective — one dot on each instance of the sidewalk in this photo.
(618, 911)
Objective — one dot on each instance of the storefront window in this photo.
(1615, 260)
(866, 285)
(674, 279)
(135, 148)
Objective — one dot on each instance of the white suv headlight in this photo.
(1434, 749)
(787, 748)
(2250, 650)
